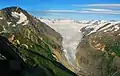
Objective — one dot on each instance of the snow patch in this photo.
(26, 22)
(14, 25)
(4, 28)
(23, 18)
(105, 30)
(1, 18)
(9, 23)
(15, 14)
(116, 28)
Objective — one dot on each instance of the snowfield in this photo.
(21, 16)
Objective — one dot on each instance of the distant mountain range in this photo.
(86, 26)
(76, 21)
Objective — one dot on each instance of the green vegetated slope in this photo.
(99, 53)
(34, 39)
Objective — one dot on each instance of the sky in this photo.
(69, 9)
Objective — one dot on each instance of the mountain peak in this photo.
(13, 9)
(15, 14)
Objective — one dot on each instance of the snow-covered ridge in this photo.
(72, 32)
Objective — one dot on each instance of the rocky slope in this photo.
(38, 43)
(98, 53)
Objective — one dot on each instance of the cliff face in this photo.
(98, 53)
(38, 43)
